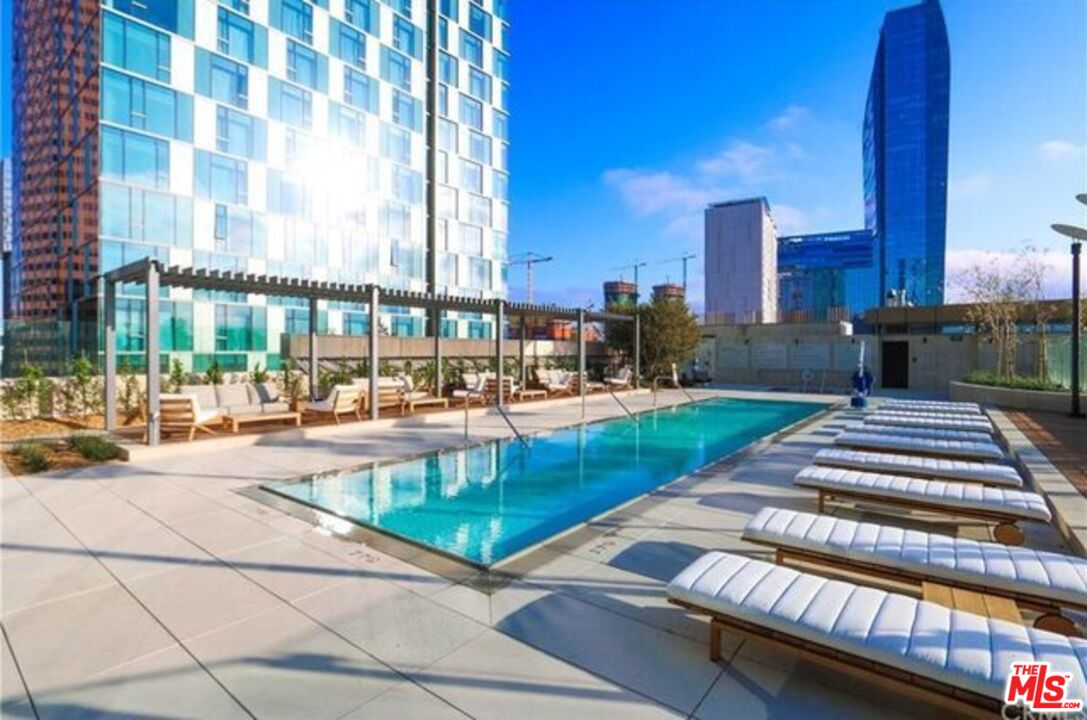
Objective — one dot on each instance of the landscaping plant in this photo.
(94, 448)
(33, 456)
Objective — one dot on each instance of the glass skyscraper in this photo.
(905, 153)
(826, 277)
(279, 137)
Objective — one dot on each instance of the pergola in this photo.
(154, 275)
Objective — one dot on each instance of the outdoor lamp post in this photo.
(1078, 235)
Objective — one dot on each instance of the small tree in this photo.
(618, 334)
(177, 375)
(670, 334)
(1033, 268)
(994, 295)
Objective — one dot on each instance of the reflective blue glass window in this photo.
(501, 185)
(471, 49)
(133, 158)
(471, 176)
(241, 6)
(501, 9)
(146, 216)
(239, 134)
(127, 100)
(396, 69)
(501, 65)
(362, 14)
(401, 6)
(135, 47)
(447, 68)
(443, 33)
(294, 17)
(406, 38)
(396, 144)
(222, 79)
(221, 178)
(287, 195)
(479, 84)
(479, 147)
(348, 44)
(242, 40)
(479, 273)
(240, 328)
(479, 21)
(345, 124)
(407, 111)
(471, 112)
(447, 135)
(306, 67)
(407, 185)
(451, 9)
(289, 103)
(240, 231)
(501, 125)
(479, 210)
(173, 15)
(359, 90)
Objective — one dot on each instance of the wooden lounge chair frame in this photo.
(1006, 532)
(178, 415)
(1050, 619)
(410, 403)
(355, 405)
(962, 702)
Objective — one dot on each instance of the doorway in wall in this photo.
(895, 364)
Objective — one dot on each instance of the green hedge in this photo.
(1015, 382)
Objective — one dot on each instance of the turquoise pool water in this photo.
(487, 502)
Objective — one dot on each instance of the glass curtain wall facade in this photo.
(905, 153)
(280, 137)
(827, 277)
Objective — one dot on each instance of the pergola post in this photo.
(375, 327)
(438, 353)
(314, 383)
(582, 380)
(500, 376)
(151, 318)
(521, 354)
(110, 370)
(637, 349)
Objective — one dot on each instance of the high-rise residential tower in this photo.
(279, 137)
(741, 262)
(905, 153)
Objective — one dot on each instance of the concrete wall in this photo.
(1015, 399)
(353, 346)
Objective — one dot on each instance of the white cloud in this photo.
(789, 220)
(751, 164)
(971, 186)
(1058, 278)
(1060, 150)
(789, 118)
(654, 192)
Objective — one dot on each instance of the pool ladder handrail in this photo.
(611, 391)
(516, 432)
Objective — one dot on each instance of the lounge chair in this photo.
(556, 382)
(943, 421)
(965, 408)
(182, 413)
(941, 447)
(621, 380)
(472, 391)
(591, 386)
(341, 400)
(920, 467)
(490, 390)
(1004, 506)
(931, 433)
(952, 658)
(1043, 581)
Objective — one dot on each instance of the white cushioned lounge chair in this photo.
(931, 433)
(966, 408)
(920, 467)
(942, 447)
(1041, 580)
(620, 380)
(342, 399)
(474, 385)
(1004, 506)
(955, 658)
(180, 412)
(945, 421)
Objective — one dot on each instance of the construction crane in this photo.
(683, 259)
(529, 260)
(637, 264)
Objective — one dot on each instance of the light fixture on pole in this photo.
(1078, 235)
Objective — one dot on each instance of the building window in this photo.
(174, 16)
(221, 178)
(146, 106)
(450, 8)
(146, 216)
(479, 273)
(479, 147)
(294, 17)
(241, 6)
(479, 84)
(287, 195)
(305, 66)
(447, 69)
(501, 125)
(501, 65)
(135, 47)
(240, 328)
(396, 69)
(471, 49)
(239, 231)
(471, 176)
(479, 21)
(447, 135)
(471, 112)
(479, 210)
(471, 239)
(401, 6)
(239, 134)
(241, 39)
(348, 44)
(406, 38)
(222, 79)
(360, 13)
(407, 111)
(345, 124)
(447, 202)
(407, 185)
(290, 104)
(501, 183)
(359, 90)
(396, 144)
(136, 159)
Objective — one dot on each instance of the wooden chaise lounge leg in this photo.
(1008, 533)
(716, 629)
(1055, 622)
(822, 501)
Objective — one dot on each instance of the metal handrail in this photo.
(623, 405)
(509, 422)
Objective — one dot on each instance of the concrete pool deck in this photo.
(155, 588)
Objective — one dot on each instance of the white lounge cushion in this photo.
(922, 432)
(947, 421)
(952, 495)
(931, 406)
(231, 395)
(987, 450)
(920, 467)
(953, 647)
(982, 564)
(204, 394)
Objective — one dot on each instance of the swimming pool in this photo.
(486, 502)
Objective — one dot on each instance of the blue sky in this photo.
(628, 116)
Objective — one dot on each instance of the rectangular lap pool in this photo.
(487, 502)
